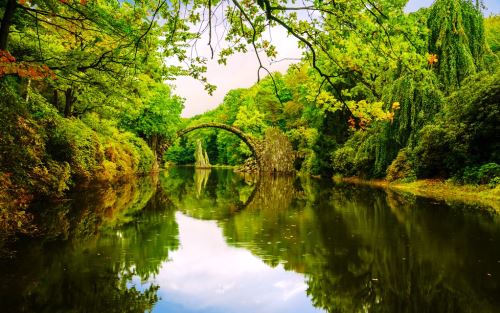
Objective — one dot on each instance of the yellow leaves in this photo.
(365, 113)
(324, 100)
(390, 116)
(432, 59)
(396, 106)
(310, 135)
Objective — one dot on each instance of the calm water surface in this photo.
(215, 241)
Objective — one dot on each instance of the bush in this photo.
(488, 173)
(473, 112)
(42, 153)
(401, 168)
(494, 182)
(438, 152)
(465, 134)
(343, 161)
(74, 142)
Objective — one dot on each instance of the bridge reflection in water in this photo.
(360, 248)
(215, 241)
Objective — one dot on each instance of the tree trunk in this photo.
(55, 100)
(28, 85)
(8, 16)
(154, 144)
(68, 108)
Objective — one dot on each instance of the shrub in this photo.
(494, 182)
(464, 134)
(439, 153)
(343, 161)
(401, 168)
(74, 142)
(488, 172)
(485, 174)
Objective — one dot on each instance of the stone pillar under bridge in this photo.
(273, 154)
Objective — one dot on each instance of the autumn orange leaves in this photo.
(10, 66)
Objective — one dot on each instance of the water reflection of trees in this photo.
(360, 249)
(112, 236)
(405, 255)
(206, 194)
(365, 250)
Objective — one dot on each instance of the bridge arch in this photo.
(251, 142)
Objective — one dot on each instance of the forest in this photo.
(417, 99)
(379, 93)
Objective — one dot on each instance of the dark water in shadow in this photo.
(214, 241)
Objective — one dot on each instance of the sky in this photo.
(206, 275)
(239, 72)
(241, 68)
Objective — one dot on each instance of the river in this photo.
(215, 241)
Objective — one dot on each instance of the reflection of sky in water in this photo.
(206, 275)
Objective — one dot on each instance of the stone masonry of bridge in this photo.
(273, 154)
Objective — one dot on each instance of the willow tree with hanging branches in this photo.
(457, 40)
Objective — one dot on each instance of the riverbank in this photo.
(438, 189)
(167, 166)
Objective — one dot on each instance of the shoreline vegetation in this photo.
(87, 102)
(436, 189)
(201, 167)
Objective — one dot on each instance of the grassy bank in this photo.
(44, 154)
(169, 165)
(439, 189)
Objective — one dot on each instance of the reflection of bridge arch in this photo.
(273, 193)
(251, 142)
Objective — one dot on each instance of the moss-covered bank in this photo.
(43, 155)
(481, 195)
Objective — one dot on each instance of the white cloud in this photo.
(207, 275)
(240, 72)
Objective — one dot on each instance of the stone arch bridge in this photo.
(273, 154)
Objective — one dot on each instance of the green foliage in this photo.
(73, 142)
(494, 182)
(488, 173)
(375, 86)
(100, 112)
(157, 119)
(45, 154)
(457, 38)
(465, 133)
(413, 99)
(385, 86)
(492, 29)
(492, 35)
(251, 121)
(361, 156)
(180, 153)
(23, 155)
(343, 161)
(401, 168)
(438, 152)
